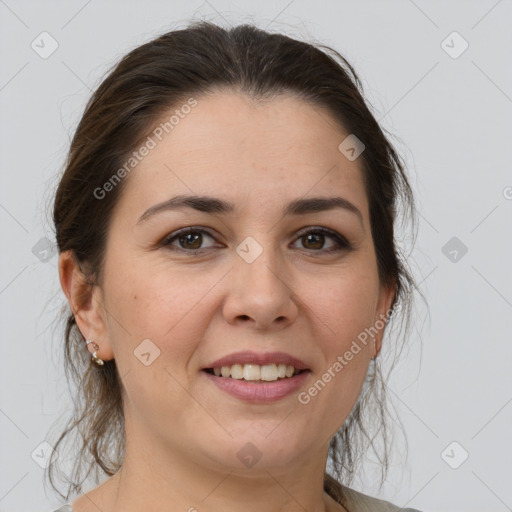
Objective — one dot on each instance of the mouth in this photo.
(257, 377)
(256, 373)
(257, 385)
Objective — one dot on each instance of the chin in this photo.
(257, 451)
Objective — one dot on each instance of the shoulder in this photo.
(355, 501)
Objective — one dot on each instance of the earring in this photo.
(95, 358)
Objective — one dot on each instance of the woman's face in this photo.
(248, 279)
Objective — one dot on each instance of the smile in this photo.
(257, 390)
(254, 372)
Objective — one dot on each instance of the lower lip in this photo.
(261, 391)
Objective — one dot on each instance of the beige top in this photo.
(358, 502)
(355, 502)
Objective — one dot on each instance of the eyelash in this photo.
(342, 243)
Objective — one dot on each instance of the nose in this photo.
(259, 294)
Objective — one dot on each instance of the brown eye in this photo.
(315, 240)
(189, 239)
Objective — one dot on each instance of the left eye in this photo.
(317, 237)
(190, 240)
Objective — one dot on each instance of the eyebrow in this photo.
(214, 205)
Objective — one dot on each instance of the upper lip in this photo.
(250, 357)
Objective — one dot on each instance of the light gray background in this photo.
(452, 120)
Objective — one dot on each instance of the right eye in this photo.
(190, 240)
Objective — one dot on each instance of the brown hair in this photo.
(147, 82)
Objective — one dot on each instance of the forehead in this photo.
(231, 146)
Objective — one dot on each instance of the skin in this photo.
(183, 434)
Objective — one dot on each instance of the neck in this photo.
(162, 482)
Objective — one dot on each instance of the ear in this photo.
(386, 295)
(86, 303)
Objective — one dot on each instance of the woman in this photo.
(225, 230)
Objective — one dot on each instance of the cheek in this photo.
(344, 315)
(152, 329)
(333, 393)
(168, 308)
(346, 308)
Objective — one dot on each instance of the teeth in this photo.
(252, 372)
(237, 371)
(269, 372)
